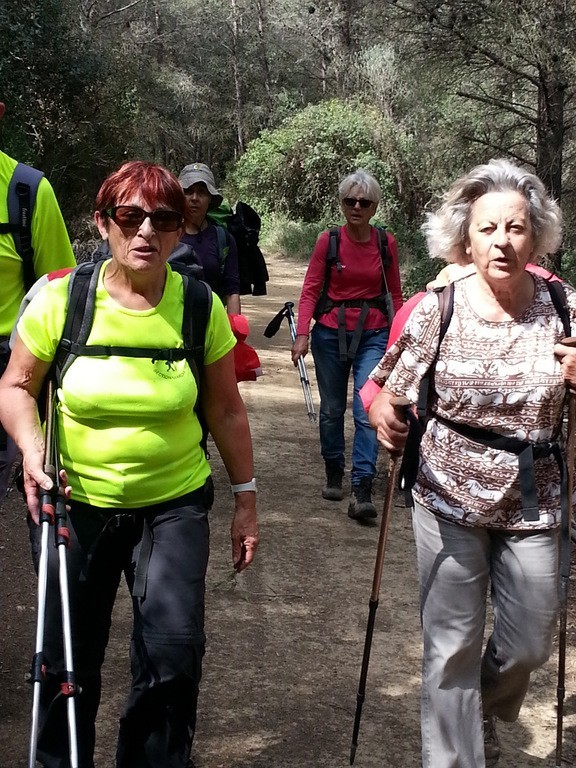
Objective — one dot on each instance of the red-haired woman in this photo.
(139, 481)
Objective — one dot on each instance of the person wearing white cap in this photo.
(219, 257)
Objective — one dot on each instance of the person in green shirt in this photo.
(136, 474)
(52, 250)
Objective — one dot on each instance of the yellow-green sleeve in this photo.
(42, 324)
(52, 248)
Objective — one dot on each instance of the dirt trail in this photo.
(285, 638)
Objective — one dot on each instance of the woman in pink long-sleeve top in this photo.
(351, 288)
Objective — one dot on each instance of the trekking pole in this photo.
(68, 686)
(395, 459)
(47, 514)
(565, 539)
(53, 512)
(271, 330)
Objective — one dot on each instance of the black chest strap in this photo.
(527, 453)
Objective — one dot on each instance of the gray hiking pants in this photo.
(455, 565)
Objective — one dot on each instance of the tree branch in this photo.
(469, 41)
(494, 102)
(117, 10)
(505, 150)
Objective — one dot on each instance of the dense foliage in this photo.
(284, 97)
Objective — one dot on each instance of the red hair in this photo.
(155, 184)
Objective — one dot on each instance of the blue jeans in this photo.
(332, 376)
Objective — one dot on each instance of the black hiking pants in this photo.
(163, 552)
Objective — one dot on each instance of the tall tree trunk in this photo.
(239, 107)
(262, 35)
(550, 139)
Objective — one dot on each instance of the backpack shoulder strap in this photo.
(558, 296)
(332, 259)
(197, 308)
(79, 315)
(22, 191)
(410, 460)
(333, 252)
(223, 245)
(382, 236)
(446, 307)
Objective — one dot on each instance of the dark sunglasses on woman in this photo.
(132, 217)
(350, 202)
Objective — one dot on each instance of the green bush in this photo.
(294, 239)
(295, 170)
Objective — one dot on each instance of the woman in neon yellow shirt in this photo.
(139, 481)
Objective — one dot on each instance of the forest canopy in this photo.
(284, 97)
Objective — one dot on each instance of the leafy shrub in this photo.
(295, 170)
(294, 239)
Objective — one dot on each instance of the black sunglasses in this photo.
(132, 217)
(350, 202)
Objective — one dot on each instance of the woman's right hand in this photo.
(35, 481)
(389, 421)
(299, 348)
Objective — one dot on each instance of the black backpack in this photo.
(80, 317)
(326, 303)
(383, 301)
(244, 225)
(22, 191)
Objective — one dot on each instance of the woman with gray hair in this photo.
(499, 386)
(351, 288)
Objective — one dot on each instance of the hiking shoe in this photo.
(333, 488)
(361, 507)
(491, 745)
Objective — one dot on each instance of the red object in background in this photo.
(246, 360)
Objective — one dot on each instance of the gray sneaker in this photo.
(361, 507)
(491, 745)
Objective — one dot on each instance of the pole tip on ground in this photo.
(352, 753)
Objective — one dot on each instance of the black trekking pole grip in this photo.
(48, 498)
(395, 460)
(289, 309)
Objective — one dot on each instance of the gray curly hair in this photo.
(446, 230)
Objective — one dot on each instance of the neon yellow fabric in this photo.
(128, 434)
(52, 249)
